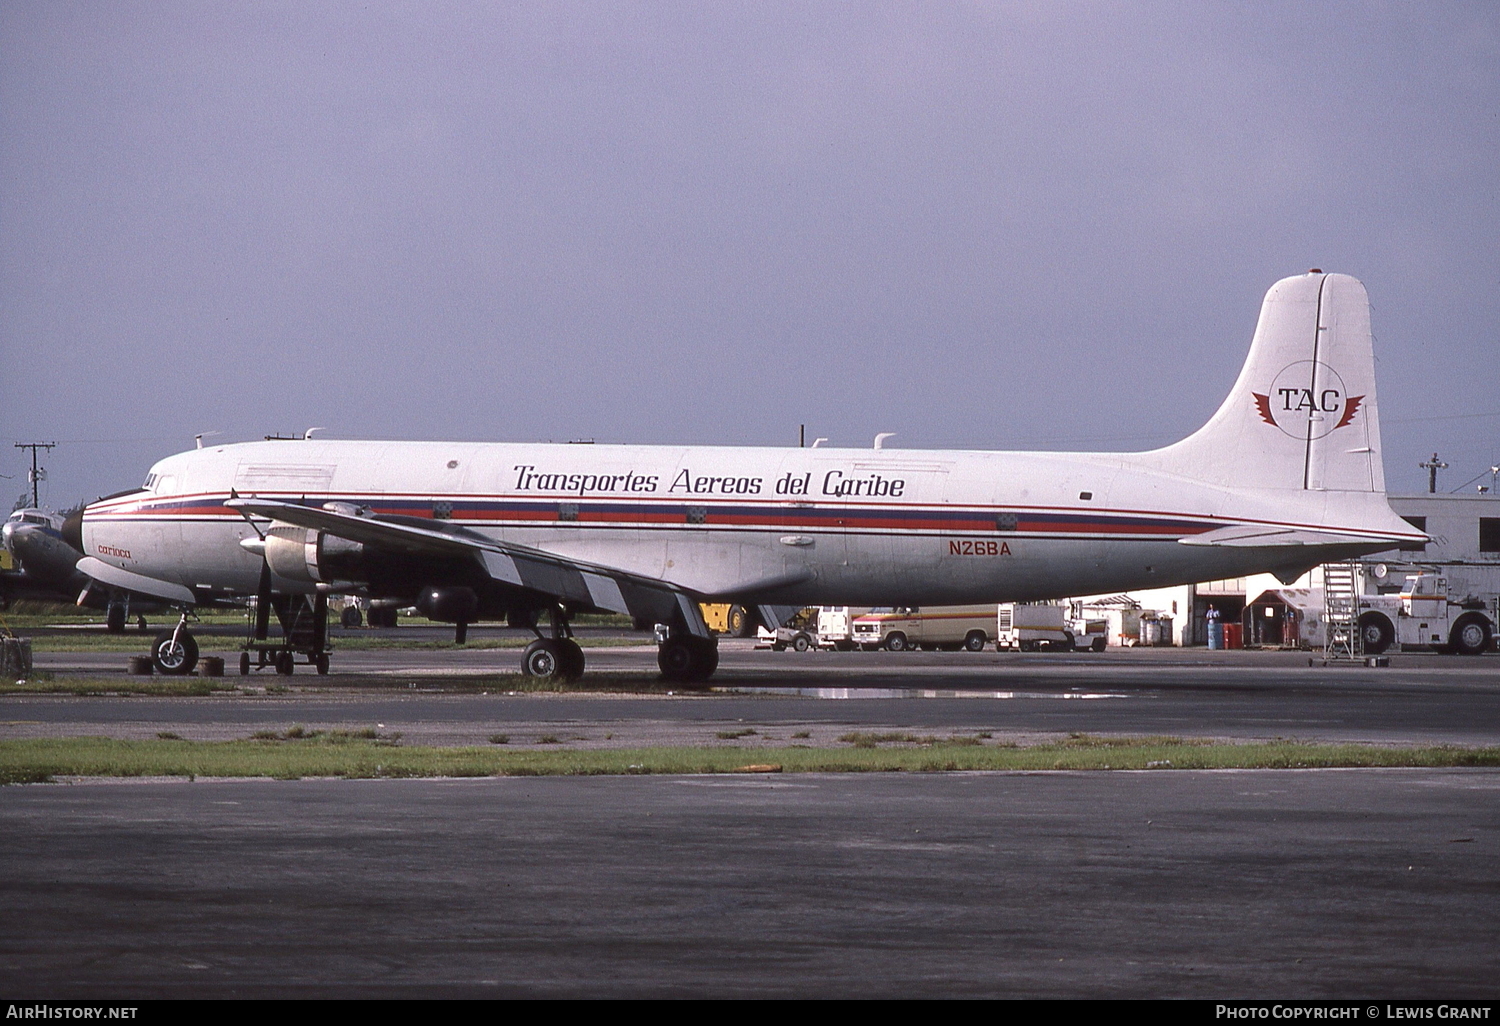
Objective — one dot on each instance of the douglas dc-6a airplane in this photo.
(1286, 475)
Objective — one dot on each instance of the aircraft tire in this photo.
(1375, 633)
(244, 664)
(545, 658)
(573, 658)
(174, 659)
(114, 619)
(688, 660)
(350, 617)
(1471, 636)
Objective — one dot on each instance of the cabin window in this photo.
(1420, 523)
(567, 512)
(1005, 522)
(1489, 534)
(697, 514)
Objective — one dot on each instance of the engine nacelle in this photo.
(312, 557)
(449, 605)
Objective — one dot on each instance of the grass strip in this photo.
(47, 684)
(356, 755)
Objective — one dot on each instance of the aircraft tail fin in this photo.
(1303, 413)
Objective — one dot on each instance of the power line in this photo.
(37, 473)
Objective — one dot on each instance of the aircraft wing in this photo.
(568, 580)
(114, 576)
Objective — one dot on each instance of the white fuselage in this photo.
(803, 526)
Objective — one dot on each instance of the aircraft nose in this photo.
(6, 534)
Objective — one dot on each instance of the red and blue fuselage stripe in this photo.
(771, 515)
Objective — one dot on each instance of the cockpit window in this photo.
(150, 481)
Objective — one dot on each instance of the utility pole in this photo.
(1432, 466)
(36, 473)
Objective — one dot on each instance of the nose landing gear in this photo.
(175, 652)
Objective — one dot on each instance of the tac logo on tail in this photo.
(1307, 400)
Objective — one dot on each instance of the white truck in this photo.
(1426, 615)
(900, 628)
(1030, 627)
(836, 626)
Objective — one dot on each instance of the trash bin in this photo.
(1150, 633)
(1216, 634)
(1234, 635)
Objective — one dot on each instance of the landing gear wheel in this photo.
(114, 620)
(285, 663)
(321, 662)
(177, 657)
(688, 659)
(547, 658)
(244, 664)
(572, 657)
(1375, 633)
(1470, 636)
(897, 642)
(975, 642)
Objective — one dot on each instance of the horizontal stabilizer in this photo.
(1263, 536)
(113, 576)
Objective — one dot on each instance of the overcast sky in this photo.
(987, 225)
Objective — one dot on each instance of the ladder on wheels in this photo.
(1341, 636)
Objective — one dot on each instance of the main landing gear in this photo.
(685, 658)
(556, 658)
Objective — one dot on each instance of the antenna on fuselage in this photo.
(880, 438)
